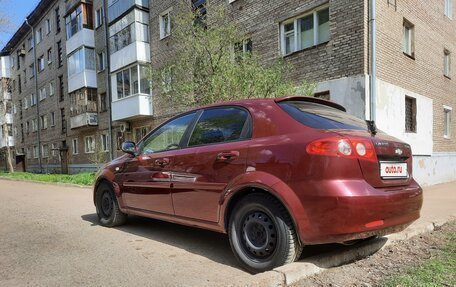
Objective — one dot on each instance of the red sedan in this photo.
(275, 174)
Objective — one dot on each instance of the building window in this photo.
(34, 125)
(449, 8)
(103, 103)
(410, 115)
(305, 31)
(128, 30)
(409, 39)
(32, 70)
(447, 121)
(128, 83)
(81, 59)
(32, 100)
(54, 149)
(89, 144)
(52, 119)
(323, 95)
(61, 88)
(74, 21)
(57, 19)
(101, 61)
(40, 63)
(447, 63)
(51, 89)
(35, 151)
(105, 142)
(30, 43)
(99, 17)
(43, 122)
(60, 53)
(165, 24)
(75, 146)
(45, 151)
(39, 36)
(42, 94)
(49, 56)
(141, 133)
(48, 26)
(62, 117)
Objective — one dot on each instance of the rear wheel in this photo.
(262, 234)
(108, 210)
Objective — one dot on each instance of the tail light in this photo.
(352, 147)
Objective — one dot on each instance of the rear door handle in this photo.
(161, 162)
(227, 156)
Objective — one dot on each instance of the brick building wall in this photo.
(424, 75)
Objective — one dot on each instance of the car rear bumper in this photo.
(341, 211)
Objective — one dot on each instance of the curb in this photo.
(294, 272)
(48, 183)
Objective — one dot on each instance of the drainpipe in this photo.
(373, 62)
(108, 79)
(36, 95)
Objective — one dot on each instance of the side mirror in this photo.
(129, 147)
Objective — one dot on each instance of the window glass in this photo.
(145, 82)
(134, 79)
(323, 26)
(219, 125)
(126, 82)
(119, 86)
(289, 38)
(307, 32)
(322, 117)
(168, 137)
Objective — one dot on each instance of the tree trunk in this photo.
(9, 158)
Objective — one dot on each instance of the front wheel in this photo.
(108, 210)
(262, 234)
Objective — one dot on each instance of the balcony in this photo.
(135, 52)
(132, 107)
(84, 120)
(5, 67)
(120, 7)
(86, 78)
(85, 37)
(3, 142)
(7, 96)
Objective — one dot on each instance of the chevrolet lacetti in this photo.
(274, 174)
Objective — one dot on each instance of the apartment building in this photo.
(103, 94)
(6, 112)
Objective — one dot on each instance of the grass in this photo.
(438, 271)
(84, 178)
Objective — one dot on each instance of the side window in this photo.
(219, 125)
(168, 137)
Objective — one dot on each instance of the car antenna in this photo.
(371, 127)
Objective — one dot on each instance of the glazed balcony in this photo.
(119, 7)
(84, 116)
(131, 107)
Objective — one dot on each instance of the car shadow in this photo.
(216, 247)
(212, 245)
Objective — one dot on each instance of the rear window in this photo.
(322, 117)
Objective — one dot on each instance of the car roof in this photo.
(276, 100)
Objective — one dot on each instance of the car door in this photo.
(216, 153)
(147, 176)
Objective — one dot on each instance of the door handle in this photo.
(227, 156)
(161, 162)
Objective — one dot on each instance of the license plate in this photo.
(391, 170)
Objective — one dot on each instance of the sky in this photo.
(16, 11)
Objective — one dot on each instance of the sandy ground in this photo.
(389, 261)
(50, 237)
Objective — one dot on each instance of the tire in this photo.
(261, 233)
(108, 210)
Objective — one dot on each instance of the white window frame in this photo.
(88, 149)
(48, 26)
(165, 33)
(52, 119)
(408, 39)
(447, 63)
(41, 64)
(54, 149)
(51, 89)
(101, 61)
(104, 139)
(448, 10)
(44, 150)
(43, 122)
(99, 17)
(447, 121)
(75, 146)
(297, 30)
(35, 151)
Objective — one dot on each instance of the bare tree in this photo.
(100, 154)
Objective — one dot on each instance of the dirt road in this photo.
(50, 237)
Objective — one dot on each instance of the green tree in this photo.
(207, 67)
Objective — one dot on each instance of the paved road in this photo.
(49, 237)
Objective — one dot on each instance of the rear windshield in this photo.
(322, 117)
